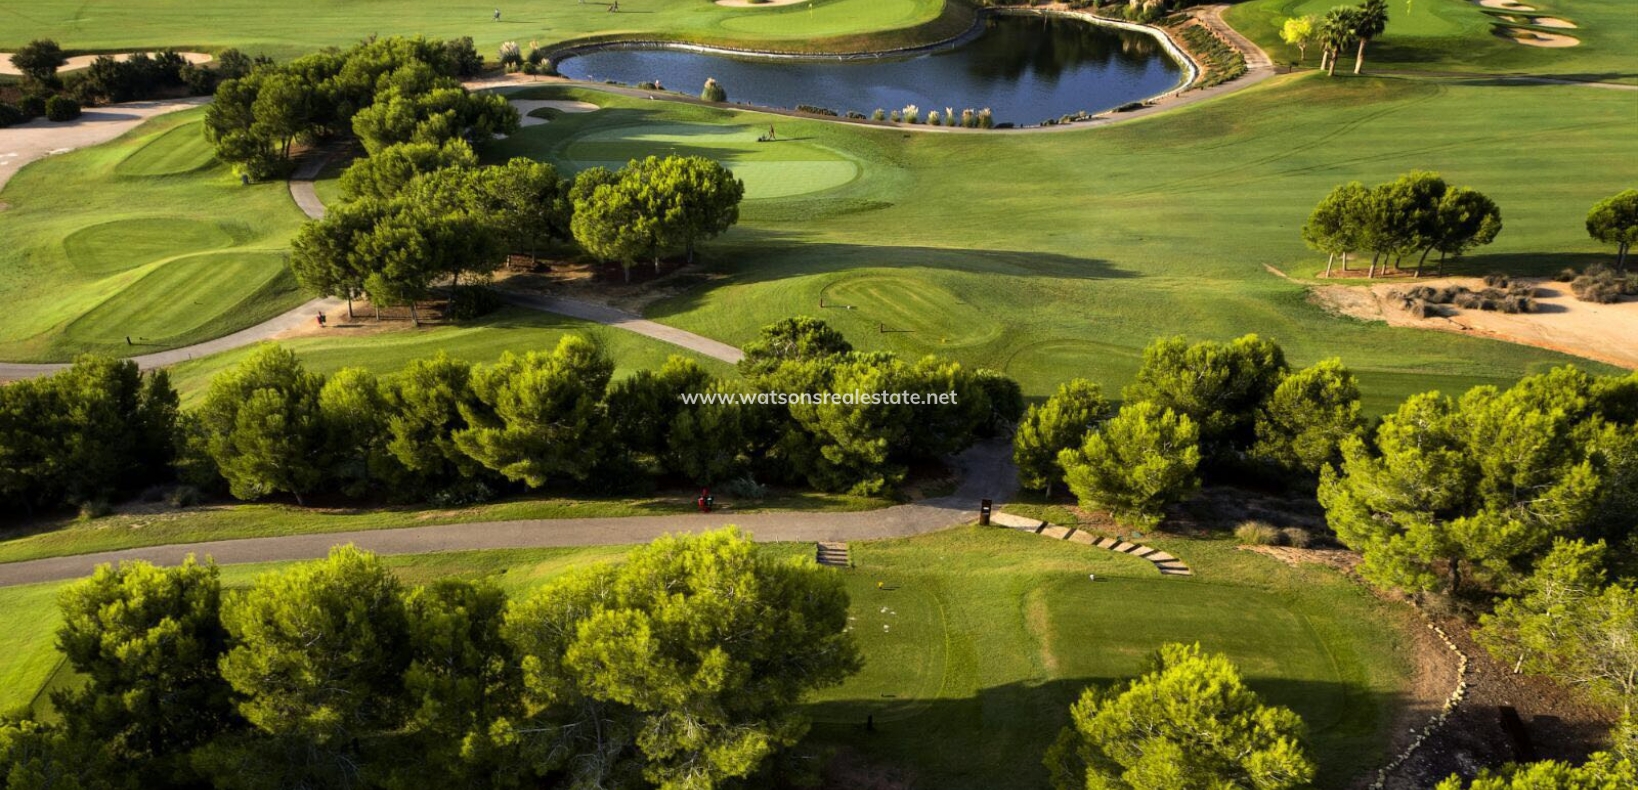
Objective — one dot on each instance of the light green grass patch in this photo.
(93, 252)
(173, 301)
(180, 150)
(119, 245)
(28, 652)
(778, 169)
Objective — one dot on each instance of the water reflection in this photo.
(1025, 68)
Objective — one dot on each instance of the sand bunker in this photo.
(84, 61)
(749, 4)
(1552, 21)
(1536, 38)
(1562, 323)
(526, 106)
(1508, 5)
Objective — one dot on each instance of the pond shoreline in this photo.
(1191, 69)
(1259, 68)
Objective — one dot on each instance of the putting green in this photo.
(770, 170)
(170, 302)
(122, 244)
(180, 150)
(900, 304)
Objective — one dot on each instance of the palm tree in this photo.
(1336, 31)
(1370, 21)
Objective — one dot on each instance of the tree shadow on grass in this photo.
(753, 256)
(1522, 264)
(998, 738)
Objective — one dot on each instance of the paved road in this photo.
(987, 472)
(40, 138)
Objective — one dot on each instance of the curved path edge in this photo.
(986, 473)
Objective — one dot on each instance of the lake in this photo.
(1024, 68)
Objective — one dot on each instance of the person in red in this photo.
(705, 501)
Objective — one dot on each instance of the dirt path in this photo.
(987, 472)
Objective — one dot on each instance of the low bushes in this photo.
(1219, 61)
(61, 108)
(1603, 285)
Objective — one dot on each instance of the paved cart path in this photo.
(986, 473)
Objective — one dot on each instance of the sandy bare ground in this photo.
(1552, 21)
(1604, 332)
(526, 106)
(749, 4)
(40, 138)
(1509, 5)
(1536, 38)
(84, 61)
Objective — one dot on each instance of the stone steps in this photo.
(1163, 562)
(832, 554)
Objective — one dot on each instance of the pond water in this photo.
(1024, 68)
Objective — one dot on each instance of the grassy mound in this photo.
(118, 245)
(165, 306)
(180, 150)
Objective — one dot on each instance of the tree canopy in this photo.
(1188, 723)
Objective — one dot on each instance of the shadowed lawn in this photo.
(980, 640)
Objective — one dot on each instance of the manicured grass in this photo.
(301, 26)
(979, 640)
(151, 525)
(770, 170)
(1457, 35)
(1056, 255)
(480, 340)
(28, 649)
(147, 237)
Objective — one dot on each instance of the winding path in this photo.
(987, 473)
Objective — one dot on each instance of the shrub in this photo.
(911, 113)
(1565, 275)
(10, 115)
(855, 115)
(32, 105)
(879, 115)
(536, 55)
(713, 91)
(461, 55)
(183, 496)
(94, 509)
(510, 56)
(466, 492)
(61, 108)
(1515, 303)
(1297, 537)
(1256, 533)
(986, 120)
(1599, 290)
(200, 81)
(1496, 280)
(935, 118)
(745, 488)
(813, 110)
(472, 301)
(530, 68)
